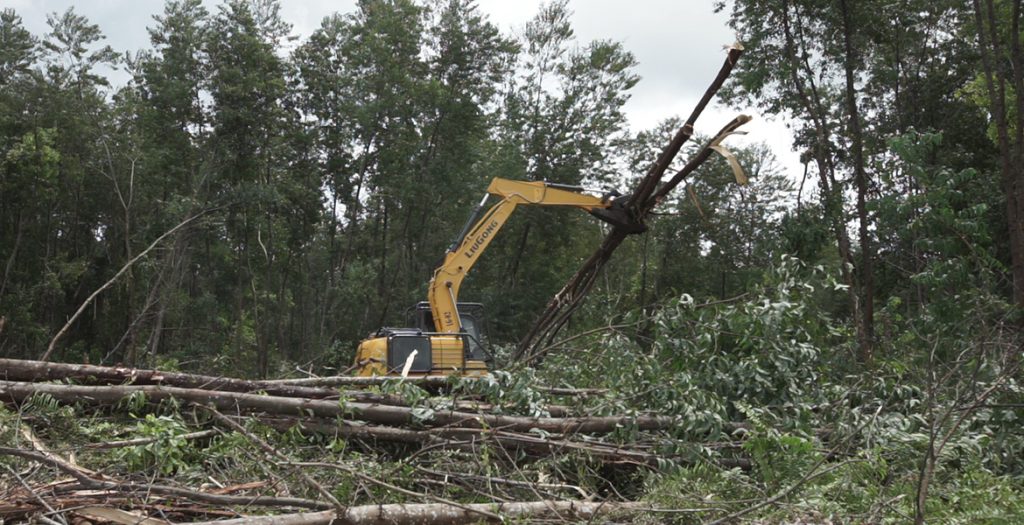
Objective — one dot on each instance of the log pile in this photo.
(458, 426)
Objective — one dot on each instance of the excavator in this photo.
(446, 337)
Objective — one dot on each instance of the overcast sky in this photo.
(678, 43)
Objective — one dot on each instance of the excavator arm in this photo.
(480, 230)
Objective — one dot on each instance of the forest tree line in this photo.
(323, 178)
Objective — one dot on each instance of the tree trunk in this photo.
(14, 255)
(866, 330)
(1011, 152)
(831, 191)
(371, 412)
(19, 370)
(441, 513)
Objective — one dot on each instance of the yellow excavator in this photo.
(447, 336)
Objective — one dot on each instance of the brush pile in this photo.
(91, 444)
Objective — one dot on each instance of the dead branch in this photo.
(35, 495)
(112, 515)
(88, 300)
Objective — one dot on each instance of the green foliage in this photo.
(423, 405)
(48, 408)
(951, 297)
(509, 391)
(134, 402)
(780, 458)
(763, 349)
(168, 453)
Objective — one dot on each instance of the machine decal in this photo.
(481, 239)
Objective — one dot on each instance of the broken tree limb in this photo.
(439, 513)
(641, 195)
(644, 198)
(375, 413)
(88, 300)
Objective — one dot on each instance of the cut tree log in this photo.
(423, 381)
(321, 388)
(26, 370)
(438, 513)
(374, 413)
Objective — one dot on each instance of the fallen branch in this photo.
(469, 438)
(395, 488)
(145, 441)
(460, 476)
(35, 495)
(814, 473)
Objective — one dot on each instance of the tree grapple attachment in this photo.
(619, 215)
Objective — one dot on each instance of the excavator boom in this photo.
(480, 231)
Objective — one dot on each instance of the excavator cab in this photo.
(420, 350)
(472, 317)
